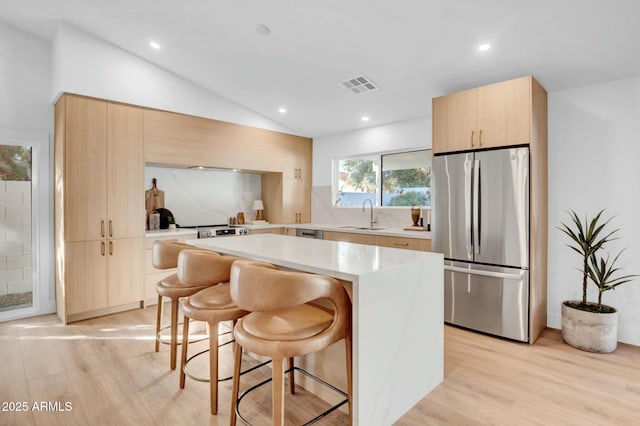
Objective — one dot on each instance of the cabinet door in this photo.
(349, 237)
(289, 200)
(125, 270)
(85, 165)
(125, 166)
(504, 113)
(304, 201)
(405, 243)
(305, 158)
(85, 276)
(454, 122)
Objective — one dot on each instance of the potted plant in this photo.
(587, 325)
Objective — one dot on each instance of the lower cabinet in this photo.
(380, 240)
(101, 276)
(405, 243)
(278, 231)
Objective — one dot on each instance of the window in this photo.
(397, 179)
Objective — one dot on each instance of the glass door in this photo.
(16, 260)
(26, 279)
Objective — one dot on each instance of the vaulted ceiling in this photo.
(412, 49)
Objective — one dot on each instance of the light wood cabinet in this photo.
(379, 240)
(286, 200)
(99, 208)
(350, 237)
(278, 231)
(486, 117)
(404, 243)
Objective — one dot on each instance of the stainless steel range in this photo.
(212, 231)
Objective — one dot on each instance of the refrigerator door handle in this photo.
(476, 206)
(515, 276)
(468, 170)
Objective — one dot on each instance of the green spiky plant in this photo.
(602, 274)
(588, 237)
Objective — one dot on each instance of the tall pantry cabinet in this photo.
(99, 207)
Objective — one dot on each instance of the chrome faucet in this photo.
(372, 222)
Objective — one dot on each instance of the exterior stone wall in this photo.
(16, 274)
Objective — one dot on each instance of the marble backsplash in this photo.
(206, 197)
(323, 212)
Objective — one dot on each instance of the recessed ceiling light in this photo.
(282, 110)
(154, 45)
(262, 29)
(365, 118)
(484, 47)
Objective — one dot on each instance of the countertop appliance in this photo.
(211, 231)
(310, 233)
(481, 224)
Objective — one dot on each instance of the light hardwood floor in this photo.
(107, 369)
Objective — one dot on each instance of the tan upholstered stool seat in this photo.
(214, 305)
(172, 287)
(216, 298)
(297, 323)
(285, 321)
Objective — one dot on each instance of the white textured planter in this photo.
(593, 332)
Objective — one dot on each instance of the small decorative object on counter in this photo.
(154, 199)
(154, 221)
(240, 218)
(415, 216)
(258, 206)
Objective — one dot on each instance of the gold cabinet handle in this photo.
(110, 248)
(110, 228)
(102, 248)
(472, 134)
(401, 244)
(480, 138)
(102, 228)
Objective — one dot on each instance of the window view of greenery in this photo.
(357, 181)
(405, 180)
(15, 163)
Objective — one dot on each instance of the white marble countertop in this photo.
(392, 232)
(342, 260)
(169, 233)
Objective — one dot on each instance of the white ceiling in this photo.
(412, 49)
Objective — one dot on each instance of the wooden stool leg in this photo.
(213, 366)
(158, 322)
(174, 332)
(292, 383)
(347, 344)
(278, 392)
(185, 345)
(237, 360)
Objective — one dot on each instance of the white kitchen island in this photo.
(398, 323)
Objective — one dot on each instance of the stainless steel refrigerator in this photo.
(481, 224)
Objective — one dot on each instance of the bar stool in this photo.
(164, 255)
(174, 288)
(212, 305)
(283, 324)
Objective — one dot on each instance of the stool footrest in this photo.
(166, 340)
(306, 373)
(223, 379)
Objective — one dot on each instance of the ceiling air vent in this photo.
(359, 85)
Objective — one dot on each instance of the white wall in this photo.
(26, 117)
(25, 81)
(206, 197)
(402, 135)
(594, 153)
(86, 65)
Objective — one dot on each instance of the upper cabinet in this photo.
(490, 116)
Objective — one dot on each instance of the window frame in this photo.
(335, 176)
